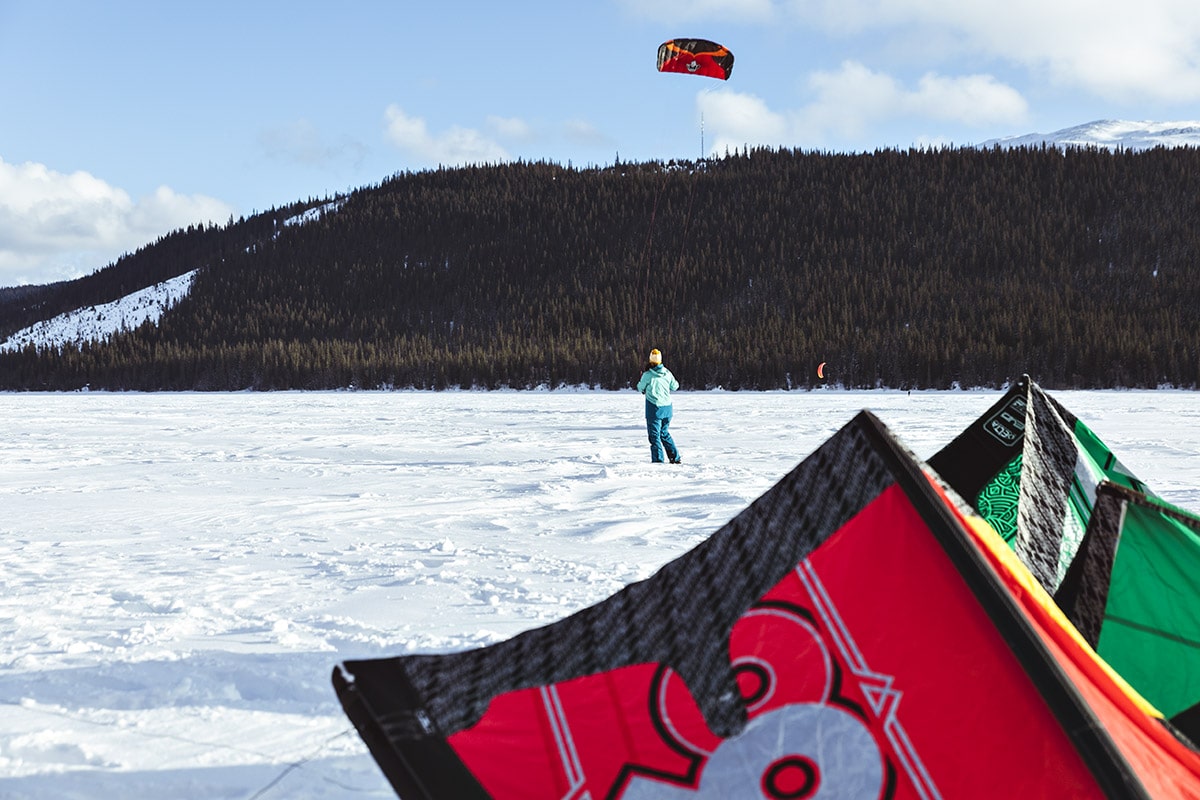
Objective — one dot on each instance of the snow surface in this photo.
(98, 323)
(182, 572)
(1110, 134)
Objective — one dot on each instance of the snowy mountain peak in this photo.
(1111, 134)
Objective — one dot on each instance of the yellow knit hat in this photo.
(655, 356)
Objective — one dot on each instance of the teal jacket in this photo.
(657, 383)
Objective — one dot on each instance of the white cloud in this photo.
(851, 101)
(969, 100)
(584, 132)
(1109, 48)
(55, 226)
(453, 147)
(1112, 49)
(510, 128)
(302, 143)
(735, 119)
(167, 210)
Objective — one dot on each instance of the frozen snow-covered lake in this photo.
(181, 572)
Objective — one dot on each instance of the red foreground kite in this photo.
(857, 631)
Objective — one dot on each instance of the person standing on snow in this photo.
(657, 383)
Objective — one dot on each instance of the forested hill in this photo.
(898, 269)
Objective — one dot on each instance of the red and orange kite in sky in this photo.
(695, 57)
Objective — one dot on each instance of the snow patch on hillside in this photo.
(98, 323)
(314, 213)
(1110, 134)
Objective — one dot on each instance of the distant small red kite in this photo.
(821, 370)
(695, 57)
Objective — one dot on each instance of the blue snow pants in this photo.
(658, 423)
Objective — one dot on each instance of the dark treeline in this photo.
(918, 269)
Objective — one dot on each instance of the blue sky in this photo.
(121, 121)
